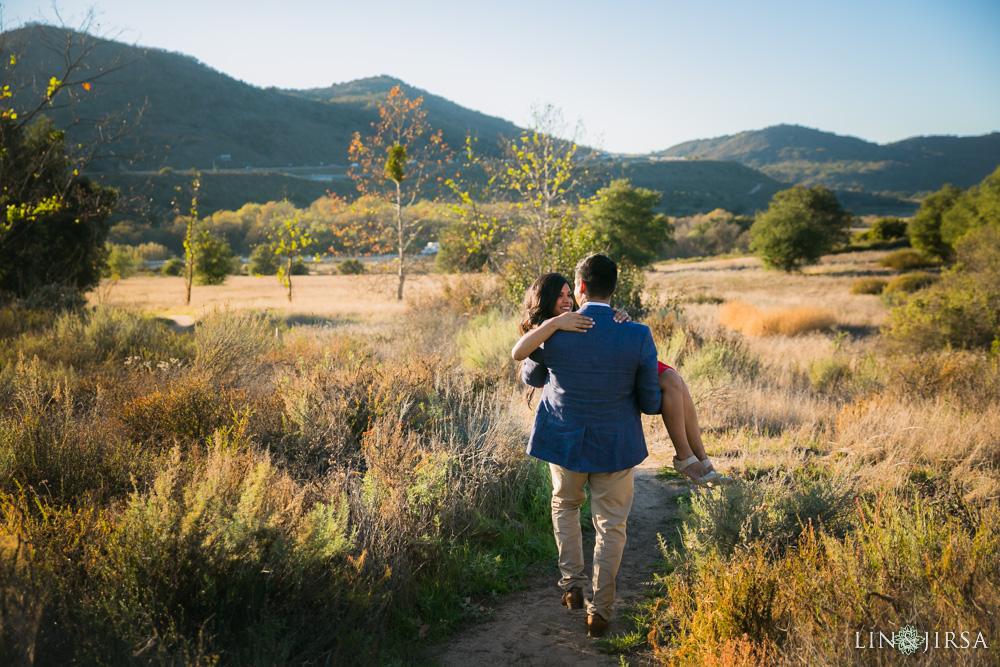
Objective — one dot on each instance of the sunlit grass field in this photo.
(368, 298)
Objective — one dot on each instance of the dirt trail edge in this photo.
(531, 628)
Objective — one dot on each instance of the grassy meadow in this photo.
(344, 476)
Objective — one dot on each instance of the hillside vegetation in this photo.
(194, 114)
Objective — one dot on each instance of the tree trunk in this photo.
(288, 277)
(400, 243)
(402, 277)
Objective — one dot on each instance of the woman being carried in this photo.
(549, 307)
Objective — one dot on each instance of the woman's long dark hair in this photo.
(540, 300)
(538, 305)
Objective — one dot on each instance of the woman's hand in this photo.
(572, 322)
(621, 316)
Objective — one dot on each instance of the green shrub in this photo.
(722, 360)
(350, 267)
(228, 551)
(959, 315)
(886, 229)
(173, 267)
(827, 374)
(485, 343)
(231, 343)
(908, 283)
(300, 268)
(210, 511)
(773, 511)
(906, 260)
(869, 286)
(216, 260)
(263, 261)
(121, 262)
(963, 309)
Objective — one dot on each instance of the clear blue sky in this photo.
(641, 75)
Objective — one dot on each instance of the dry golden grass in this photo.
(752, 321)
(371, 298)
(744, 279)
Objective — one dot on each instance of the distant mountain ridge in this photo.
(796, 154)
(194, 115)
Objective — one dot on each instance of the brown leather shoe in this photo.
(596, 626)
(573, 598)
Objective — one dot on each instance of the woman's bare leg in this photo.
(681, 420)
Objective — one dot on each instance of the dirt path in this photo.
(532, 629)
(181, 323)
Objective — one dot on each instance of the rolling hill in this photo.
(908, 168)
(191, 115)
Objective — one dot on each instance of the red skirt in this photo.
(660, 367)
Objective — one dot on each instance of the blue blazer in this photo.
(594, 386)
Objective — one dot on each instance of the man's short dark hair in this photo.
(599, 274)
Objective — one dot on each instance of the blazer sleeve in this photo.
(534, 373)
(647, 384)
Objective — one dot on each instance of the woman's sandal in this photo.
(709, 477)
(711, 468)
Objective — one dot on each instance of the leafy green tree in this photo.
(56, 221)
(544, 175)
(288, 241)
(475, 240)
(976, 207)
(191, 243)
(54, 226)
(925, 226)
(626, 224)
(800, 226)
(214, 260)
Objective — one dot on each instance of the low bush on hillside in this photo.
(907, 260)
(908, 283)
(752, 321)
(884, 229)
(962, 310)
(173, 267)
(350, 267)
(869, 286)
(721, 360)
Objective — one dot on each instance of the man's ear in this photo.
(581, 289)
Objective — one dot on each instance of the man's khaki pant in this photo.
(610, 502)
